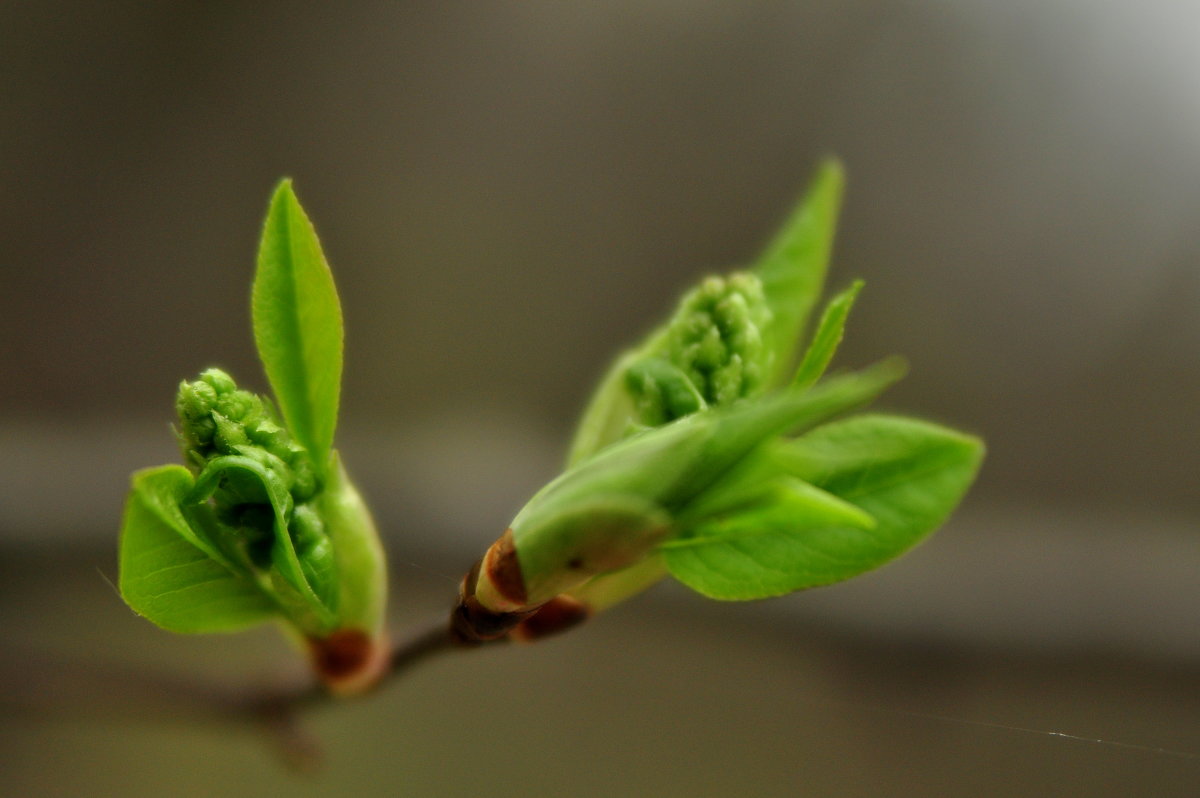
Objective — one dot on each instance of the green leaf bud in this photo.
(611, 511)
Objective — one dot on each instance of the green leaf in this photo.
(361, 565)
(314, 599)
(298, 325)
(167, 576)
(793, 267)
(615, 499)
(908, 475)
(664, 392)
(673, 464)
(827, 337)
(756, 551)
(607, 416)
(606, 590)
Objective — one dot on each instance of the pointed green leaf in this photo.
(793, 267)
(612, 502)
(607, 415)
(169, 579)
(298, 324)
(827, 337)
(664, 392)
(908, 475)
(771, 546)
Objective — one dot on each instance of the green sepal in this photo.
(171, 575)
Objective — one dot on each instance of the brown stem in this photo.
(42, 688)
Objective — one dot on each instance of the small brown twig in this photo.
(46, 689)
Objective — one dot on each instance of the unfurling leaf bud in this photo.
(260, 483)
(217, 419)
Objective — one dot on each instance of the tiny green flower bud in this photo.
(230, 434)
(315, 552)
(194, 404)
(220, 382)
(715, 337)
(240, 406)
(267, 434)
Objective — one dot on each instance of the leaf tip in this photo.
(284, 187)
(888, 371)
(831, 173)
(283, 199)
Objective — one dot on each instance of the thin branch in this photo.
(42, 688)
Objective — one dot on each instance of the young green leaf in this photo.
(907, 475)
(598, 534)
(361, 565)
(314, 610)
(673, 464)
(298, 325)
(827, 337)
(167, 577)
(766, 548)
(792, 268)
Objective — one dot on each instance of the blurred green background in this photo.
(508, 193)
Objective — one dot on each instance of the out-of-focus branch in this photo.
(47, 689)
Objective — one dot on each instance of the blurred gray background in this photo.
(508, 193)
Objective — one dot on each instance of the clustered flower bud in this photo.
(218, 421)
(712, 352)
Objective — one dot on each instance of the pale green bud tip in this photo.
(716, 337)
(715, 345)
(216, 418)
